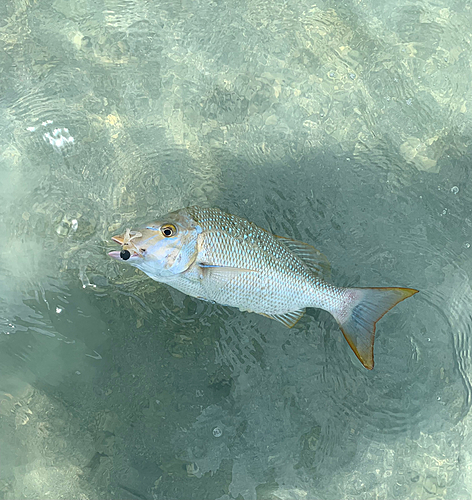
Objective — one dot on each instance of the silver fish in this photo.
(223, 258)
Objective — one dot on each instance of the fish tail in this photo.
(360, 312)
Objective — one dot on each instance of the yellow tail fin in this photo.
(358, 318)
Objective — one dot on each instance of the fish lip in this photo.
(115, 255)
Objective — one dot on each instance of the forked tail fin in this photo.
(362, 309)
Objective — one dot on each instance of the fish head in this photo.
(163, 249)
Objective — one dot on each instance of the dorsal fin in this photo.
(312, 258)
(288, 319)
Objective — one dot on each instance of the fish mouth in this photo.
(119, 254)
(115, 255)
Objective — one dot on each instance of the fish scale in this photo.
(231, 241)
(226, 259)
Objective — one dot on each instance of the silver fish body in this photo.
(226, 259)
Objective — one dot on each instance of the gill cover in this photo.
(162, 248)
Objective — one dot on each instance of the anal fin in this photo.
(288, 319)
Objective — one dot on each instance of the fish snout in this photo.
(127, 251)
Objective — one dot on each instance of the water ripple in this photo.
(460, 318)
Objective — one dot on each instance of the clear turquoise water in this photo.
(346, 125)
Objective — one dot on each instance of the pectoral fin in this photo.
(221, 276)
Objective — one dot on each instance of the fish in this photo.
(228, 260)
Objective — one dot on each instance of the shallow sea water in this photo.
(347, 125)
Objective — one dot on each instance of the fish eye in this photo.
(168, 230)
